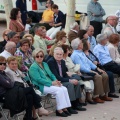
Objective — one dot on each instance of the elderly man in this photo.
(91, 38)
(95, 15)
(101, 84)
(58, 67)
(39, 41)
(110, 27)
(102, 53)
(14, 37)
(74, 28)
(10, 49)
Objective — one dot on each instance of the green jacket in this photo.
(38, 76)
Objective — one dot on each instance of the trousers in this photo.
(53, 31)
(61, 95)
(101, 84)
(74, 91)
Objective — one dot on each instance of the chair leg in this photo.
(3, 113)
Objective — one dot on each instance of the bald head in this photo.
(10, 45)
(90, 30)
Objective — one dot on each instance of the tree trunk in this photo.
(70, 14)
(8, 6)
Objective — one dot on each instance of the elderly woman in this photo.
(10, 84)
(31, 39)
(90, 55)
(47, 83)
(75, 69)
(101, 85)
(16, 22)
(114, 40)
(16, 75)
(24, 55)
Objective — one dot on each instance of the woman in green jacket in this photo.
(42, 77)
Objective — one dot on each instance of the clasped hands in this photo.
(56, 83)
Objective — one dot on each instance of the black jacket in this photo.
(15, 100)
(55, 70)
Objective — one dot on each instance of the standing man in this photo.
(95, 15)
(21, 4)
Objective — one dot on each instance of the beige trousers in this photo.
(101, 84)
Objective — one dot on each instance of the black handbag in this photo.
(76, 76)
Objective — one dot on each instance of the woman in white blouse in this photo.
(113, 47)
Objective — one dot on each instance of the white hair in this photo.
(9, 45)
(58, 48)
(101, 37)
(75, 43)
(72, 26)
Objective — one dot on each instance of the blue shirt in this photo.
(95, 8)
(92, 42)
(102, 53)
(78, 57)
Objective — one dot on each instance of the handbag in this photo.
(76, 76)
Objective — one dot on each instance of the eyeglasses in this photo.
(5, 34)
(3, 64)
(41, 56)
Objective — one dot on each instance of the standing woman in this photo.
(16, 24)
(21, 4)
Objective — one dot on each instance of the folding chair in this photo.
(117, 82)
(15, 117)
(3, 112)
(46, 98)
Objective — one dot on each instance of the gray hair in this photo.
(75, 43)
(72, 26)
(101, 37)
(87, 27)
(9, 45)
(36, 28)
(36, 51)
(11, 34)
(58, 48)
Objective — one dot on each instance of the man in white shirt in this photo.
(10, 49)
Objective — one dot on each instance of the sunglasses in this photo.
(41, 56)
(3, 64)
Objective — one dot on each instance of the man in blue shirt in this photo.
(102, 53)
(91, 38)
(101, 84)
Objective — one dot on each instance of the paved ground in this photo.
(106, 111)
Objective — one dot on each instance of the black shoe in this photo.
(92, 102)
(79, 108)
(113, 95)
(70, 110)
(83, 104)
(67, 113)
(61, 114)
(0, 115)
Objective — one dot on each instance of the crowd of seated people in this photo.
(56, 67)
